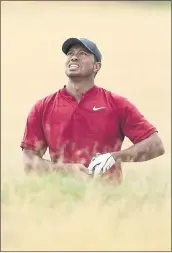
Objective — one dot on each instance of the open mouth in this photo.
(73, 66)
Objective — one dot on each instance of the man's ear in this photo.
(97, 67)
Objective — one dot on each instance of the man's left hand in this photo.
(100, 164)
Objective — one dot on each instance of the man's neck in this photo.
(77, 87)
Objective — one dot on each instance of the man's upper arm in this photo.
(34, 138)
(133, 124)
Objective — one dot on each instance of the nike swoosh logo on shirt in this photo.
(97, 108)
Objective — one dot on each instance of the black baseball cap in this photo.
(90, 45)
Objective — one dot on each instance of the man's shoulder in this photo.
(49, 98)
(115, 97)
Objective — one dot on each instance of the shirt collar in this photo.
(90, 92)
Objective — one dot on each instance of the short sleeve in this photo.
(132, 122)
(34, 138)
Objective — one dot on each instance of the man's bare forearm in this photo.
(147, 149)
(33, 162)
(42, 165)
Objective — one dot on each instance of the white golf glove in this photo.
(100, 163)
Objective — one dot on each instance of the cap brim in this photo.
(71, 42)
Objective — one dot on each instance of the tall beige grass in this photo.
(57, 212)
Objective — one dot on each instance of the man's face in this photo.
(80, 62)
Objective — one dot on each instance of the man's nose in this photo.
(74, 58)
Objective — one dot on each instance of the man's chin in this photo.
(73, 74)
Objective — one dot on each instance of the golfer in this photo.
(84, 125)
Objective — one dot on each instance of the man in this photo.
(84, 125)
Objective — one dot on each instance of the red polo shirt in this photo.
(74, 132)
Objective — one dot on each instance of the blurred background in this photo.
(135, 40)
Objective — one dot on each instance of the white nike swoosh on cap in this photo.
(98, 108)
